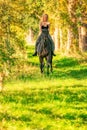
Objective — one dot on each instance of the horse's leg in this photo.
(51, 68)
(41, 64)
(51, 64)
(48, 65)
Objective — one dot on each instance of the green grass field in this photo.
(41, 102)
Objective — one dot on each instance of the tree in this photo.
(12, 27)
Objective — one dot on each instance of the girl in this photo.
(44, 28)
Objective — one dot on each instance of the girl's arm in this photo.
(40, 25)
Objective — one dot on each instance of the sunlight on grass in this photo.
(40, 102)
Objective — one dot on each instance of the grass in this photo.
(41, 102)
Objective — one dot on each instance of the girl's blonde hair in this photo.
(43, 17)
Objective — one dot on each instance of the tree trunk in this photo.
(69, 40)
(1, 81)
(29, 37)
(56, 39)
(70, 35)
(84, 38)
(61, 39)
(80, 39)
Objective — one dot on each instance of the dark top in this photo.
(43, 27)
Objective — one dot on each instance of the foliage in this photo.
(11, 32)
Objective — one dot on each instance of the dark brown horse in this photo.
(44, 52)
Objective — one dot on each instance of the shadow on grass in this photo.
(33, 97)
(62, 68)
(78, 74)
(70, 68)
(73, 73)
(63, 62)
(67, 115)
(45, 111)
(66, 62)
(9, 117)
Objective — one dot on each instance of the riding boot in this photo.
(35, 53)
(53, 53)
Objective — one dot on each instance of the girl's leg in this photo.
(36, 44)
(52, 44)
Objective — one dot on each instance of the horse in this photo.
(44, 52)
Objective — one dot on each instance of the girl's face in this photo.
(45, 18)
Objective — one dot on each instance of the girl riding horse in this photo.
(44, 26)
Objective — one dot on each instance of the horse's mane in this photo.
(44, 47)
